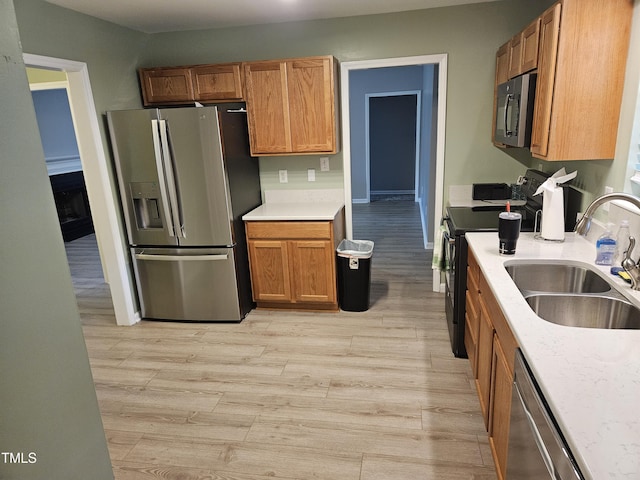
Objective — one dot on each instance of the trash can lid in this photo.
(355, 248)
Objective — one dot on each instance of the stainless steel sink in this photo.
(556, 278)
(573, 295)
(590, 311)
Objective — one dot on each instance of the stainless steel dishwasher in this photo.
(537, 449)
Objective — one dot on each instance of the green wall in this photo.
(50, 418)
(469, 34)
(111, 52)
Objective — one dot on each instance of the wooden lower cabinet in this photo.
(492, 365)
(314, 274)
(501, 385)
(485, 358)
(271, 281)
(293, 263)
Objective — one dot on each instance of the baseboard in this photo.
(392, 192)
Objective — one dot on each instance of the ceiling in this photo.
(154, 16)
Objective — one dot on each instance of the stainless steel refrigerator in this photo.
(186, 178)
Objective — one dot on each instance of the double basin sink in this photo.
(573, 294)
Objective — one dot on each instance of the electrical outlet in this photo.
(324, 164)
(283, 176)
(311, 174)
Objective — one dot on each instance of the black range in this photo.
(460, 220)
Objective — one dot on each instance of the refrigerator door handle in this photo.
(157, 149)
(181, 258)
(171, 182)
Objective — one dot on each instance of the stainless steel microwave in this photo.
(514, 110)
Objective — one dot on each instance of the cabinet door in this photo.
(311, 104)
(502, 63)
(549, 32)
(515, 59)
(485, 358)
(270, 270)
(530, 43)
(501, 385)
(313, 271)
(268, 107)
(162, 86)
(217, 82)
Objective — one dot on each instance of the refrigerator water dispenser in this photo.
(146, 204)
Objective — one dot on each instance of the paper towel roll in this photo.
(553, 214)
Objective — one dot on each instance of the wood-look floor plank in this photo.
(381, 467)
(292, 395)
(264, 459)
(425, 445)
(358, 412)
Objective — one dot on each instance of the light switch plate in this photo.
(324, 164)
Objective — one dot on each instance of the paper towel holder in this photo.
(537, 235)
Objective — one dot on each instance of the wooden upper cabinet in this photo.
(292, 106)
(530, 43)
(217, 82)
(189, 84)
(523, 49)
(267, 107)
(311, 104)
(166, 86)
(502, 63)
(549, 32)
(581, 68)
(515, 57)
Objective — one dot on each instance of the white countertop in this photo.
(278, 211)
(589, 377)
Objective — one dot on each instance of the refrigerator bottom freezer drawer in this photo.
(187, 284)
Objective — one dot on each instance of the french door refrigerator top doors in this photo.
(171, 176)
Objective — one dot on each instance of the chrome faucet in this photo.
(583, 225)
(630, 266)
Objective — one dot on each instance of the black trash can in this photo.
(354, 274)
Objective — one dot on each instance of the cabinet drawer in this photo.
(289, 230)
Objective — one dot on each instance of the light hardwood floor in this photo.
(366, 396)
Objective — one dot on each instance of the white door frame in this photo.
(367, 140)
(345, 69)
(104, 209)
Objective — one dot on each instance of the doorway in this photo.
(103, 205)
(432, 214)
(392, 144)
